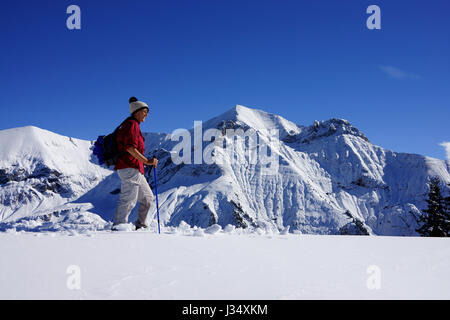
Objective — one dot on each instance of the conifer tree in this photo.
(447, 211)
(437, 216)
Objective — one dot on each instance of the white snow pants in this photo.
(134, 188)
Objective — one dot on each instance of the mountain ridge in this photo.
(330, 179)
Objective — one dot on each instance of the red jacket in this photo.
(130, 135)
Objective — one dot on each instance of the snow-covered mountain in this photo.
(328, 178)
(42, 172)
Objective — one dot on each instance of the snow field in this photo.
(194, 263)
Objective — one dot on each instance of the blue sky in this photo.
(193, 60)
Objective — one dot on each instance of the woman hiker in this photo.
(130, 168)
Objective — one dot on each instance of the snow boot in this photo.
(123, 227)
(141, 226)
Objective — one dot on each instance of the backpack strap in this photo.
(120, 125)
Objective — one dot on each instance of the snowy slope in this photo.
(188, 264)
(41, 171)
(330, 180)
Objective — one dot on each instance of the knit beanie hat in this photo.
(136, 105)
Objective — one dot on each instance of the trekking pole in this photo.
(156, 193)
